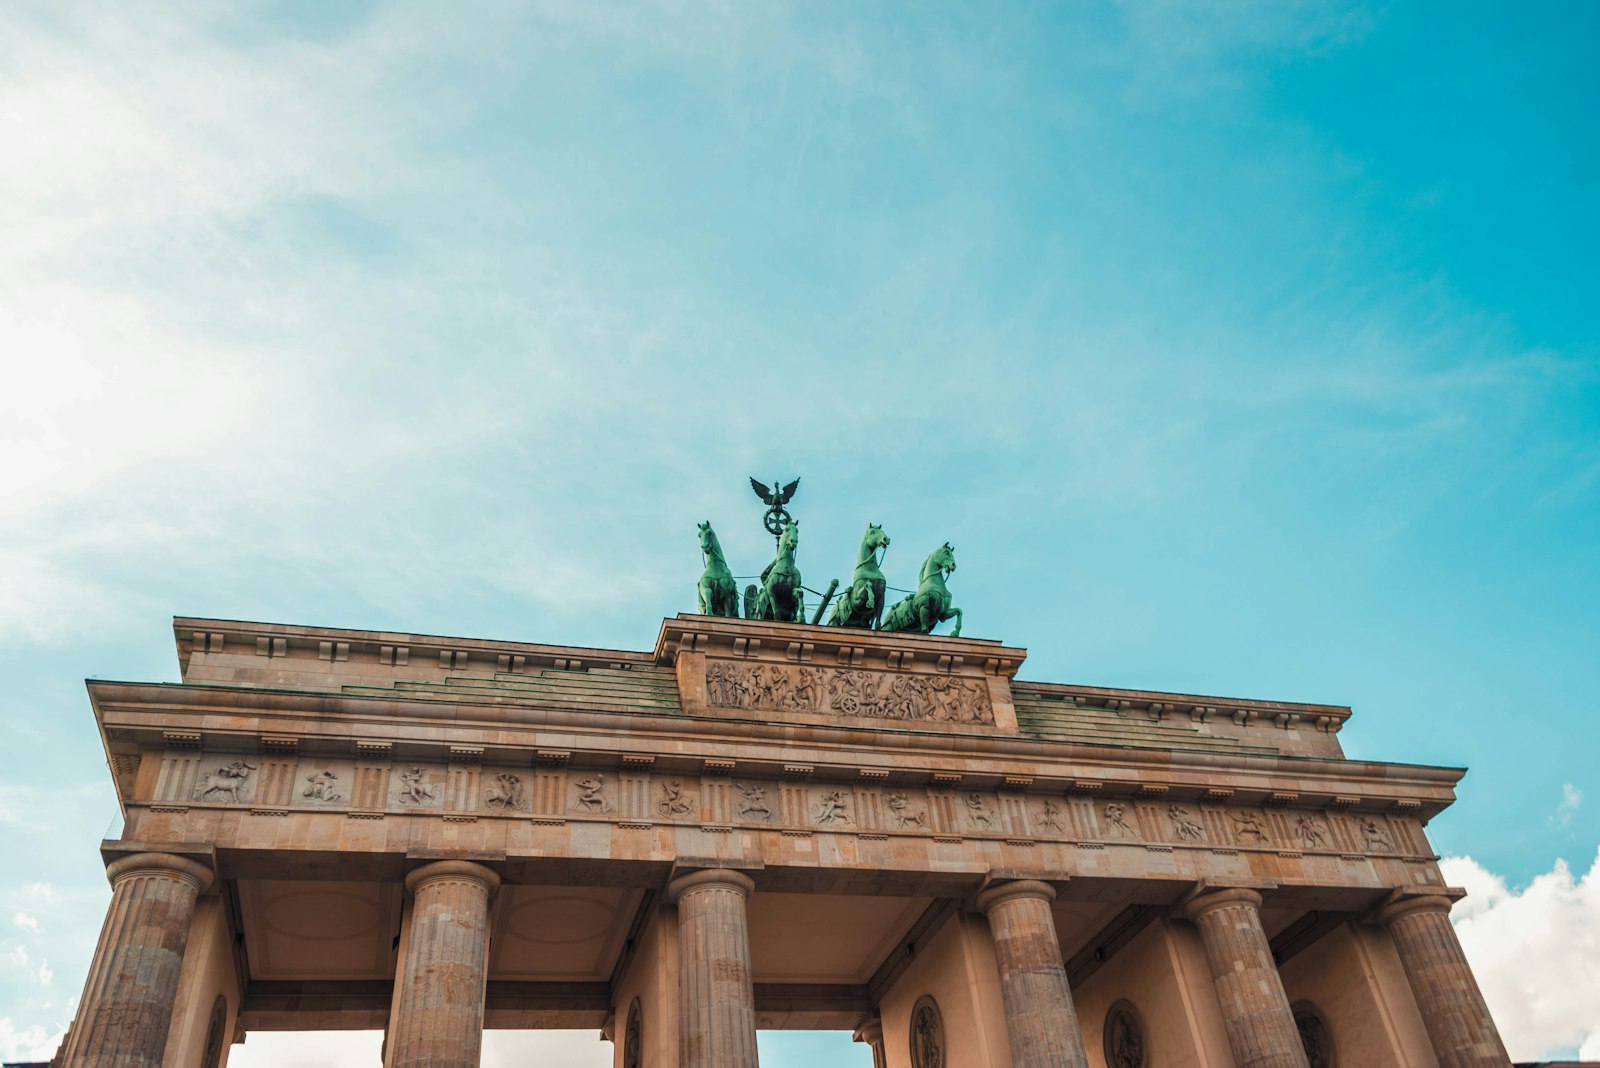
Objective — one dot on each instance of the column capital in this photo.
(710, 879)
(166, 865)
(1207, 900)
(1411, 905)
(1011, 891)
(458, 870)
(869, 1031)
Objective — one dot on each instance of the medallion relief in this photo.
(873, 695)
(1124, 1038)
(1314, 1035)
(633, 1039)
(927, 1034)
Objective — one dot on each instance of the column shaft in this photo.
(1255, 1010)
(1452, 1007)
(1041, 1021)
(717, 1017)
(439, 1020)
(128, 997)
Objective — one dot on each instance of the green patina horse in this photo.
(779, 597)
(861, 605)
(719, 594)
(930, 605)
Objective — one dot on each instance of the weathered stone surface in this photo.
(1255, 1010)
(438, 1020)
(1040, 1018)
(1458, 1021)
(718, 1016)
(128, 1000)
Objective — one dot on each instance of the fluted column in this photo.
(133, 981)
(1041, 1021)
(438, 1022)
(1453, 1010)
(717, 1014)
(871, 1032)
(1255, 1010)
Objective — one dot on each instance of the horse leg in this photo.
(705, 600)
(957, 632)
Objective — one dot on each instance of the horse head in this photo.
(708, 538)
(789, 540)
(875, 539)
(943, 558)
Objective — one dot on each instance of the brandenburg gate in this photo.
(757, 824)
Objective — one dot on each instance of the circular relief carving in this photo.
(1124, 1038)
(927, 1034)
(1314, 1034)
(633, 1039)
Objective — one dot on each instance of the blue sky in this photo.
(1243, 348)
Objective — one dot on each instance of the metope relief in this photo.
(832, 809)
(506, 792)
(1117, 825)
(906, 814)
(1248, 828)
(1051, 817)
(673, 801)
(323, 783)
(590, 791)
(752, 803)
(1374, 839)
(226, 782)
(1185, 827)
(1312, 832)
(868, 694)
(417, 786)
(979, 813)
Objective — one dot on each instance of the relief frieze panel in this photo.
(767, 687)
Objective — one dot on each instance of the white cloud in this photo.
(44, 974)
(1536, 953)
(18, 956)
(1571, 801)
(26, 922)
(28, 1043)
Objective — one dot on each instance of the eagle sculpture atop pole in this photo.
(775, 499)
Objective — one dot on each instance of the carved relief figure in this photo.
(753, 800)
(978, 811)
(322, 787)
(1050, 817)
(1117, 822)
(927, 1035)
(1310, 831)
(673, 802)
(633, 1039)
(506, 792)
(1247, 826)
(589, 799)
(1373, 837)
(1124, 1039)
(1314, 1036)
(229, 780)
(870, 694)
(832, 809)
(414, 790)
(1184, 825)
(900, 805)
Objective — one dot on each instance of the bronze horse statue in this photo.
(779, 597)
(931, 604)
(719, 594)
(861, 605)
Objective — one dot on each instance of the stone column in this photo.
(717, 1017)
(1255, 1010)
(438, 1020)
(133, 980)
(871, 1032)
(1041, 1022)
(1452, 1007)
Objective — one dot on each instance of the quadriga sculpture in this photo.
(861, 605)
(779, 597)
(719, 594)
(931, 604)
